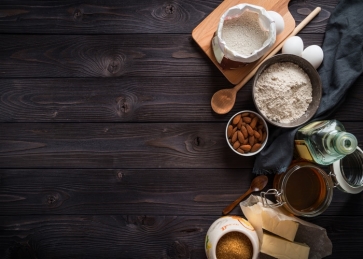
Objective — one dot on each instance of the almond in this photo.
(234, 130)
(256, 147)
(239, 125)
(249, 129)
(234, 137)
(256, 134)
(236, 119)
(246, 148)
(254, 122)
(240, 150)
(230, 131)
(260, 132)
(240, 137)
(251, 140)
(246, 119)
(244, 131)
(236, 145)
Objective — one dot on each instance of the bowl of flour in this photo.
(287, 90)
(245, 33)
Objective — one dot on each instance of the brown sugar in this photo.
(234, 245)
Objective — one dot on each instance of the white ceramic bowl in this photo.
(262, 144)
(226, 225)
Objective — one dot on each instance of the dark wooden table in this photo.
(108, 145)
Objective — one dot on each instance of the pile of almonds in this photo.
(246, 133)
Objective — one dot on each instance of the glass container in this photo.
(348, 172)
(324, 142)
(306, 190)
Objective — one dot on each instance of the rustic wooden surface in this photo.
(108, 144)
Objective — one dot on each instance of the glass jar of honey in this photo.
(307, 190)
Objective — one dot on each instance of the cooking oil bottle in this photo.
(324, 142)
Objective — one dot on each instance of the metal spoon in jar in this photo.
(258, 183)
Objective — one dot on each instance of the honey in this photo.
(305, 189)
(234, 245)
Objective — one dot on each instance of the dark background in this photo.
(108, 145)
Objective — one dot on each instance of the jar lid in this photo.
(349, 172)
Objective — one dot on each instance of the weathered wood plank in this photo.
(113, 236)
(50, 56)
(138, 236)
(127, 16)
(102, 56)
(135, 99)
(121, 191)
(299, 9)
(76, 181)
(130, 145)
(170, 192)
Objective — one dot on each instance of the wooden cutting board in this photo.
(203, 33)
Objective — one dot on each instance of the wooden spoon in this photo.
(224, 99)
(258, 183)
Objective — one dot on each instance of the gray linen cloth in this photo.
(342, 65)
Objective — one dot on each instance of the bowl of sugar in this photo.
(287, 90)
(231, 237)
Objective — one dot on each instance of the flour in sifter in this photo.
(283, 92)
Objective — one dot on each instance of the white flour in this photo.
(283, 92)
(244, 34)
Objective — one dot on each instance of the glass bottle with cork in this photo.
(324, 142)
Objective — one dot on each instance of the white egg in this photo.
(279, 21)
(314, 54)
(293, 45)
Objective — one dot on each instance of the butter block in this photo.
(283, 249)
(283, 228)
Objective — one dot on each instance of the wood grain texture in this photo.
(100, 56)
(136, 236)
(300, 9)
(155, 192)
(128, 236)
(121, 191)
(108, 145)
(104, 145)
(106, 56)
(102, 17)
(135, 99)
(159, 145)
(119, 17)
